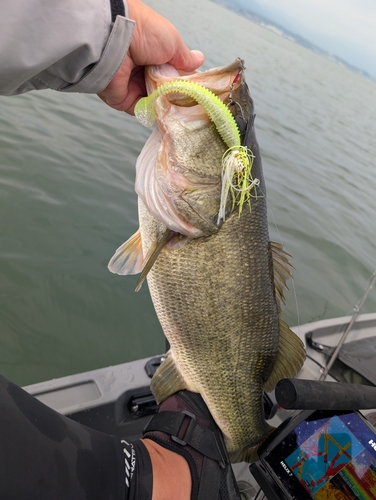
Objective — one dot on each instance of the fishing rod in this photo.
(346, 332)
(296, 394)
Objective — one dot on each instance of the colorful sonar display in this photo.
(325, 454)
(332, 458)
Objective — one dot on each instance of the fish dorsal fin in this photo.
(289, 359)
(128, 258)
(291, 352)
(152, 255)
(282, 269)
(167, 380)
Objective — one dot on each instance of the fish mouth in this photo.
(167, 187)
(226, 82)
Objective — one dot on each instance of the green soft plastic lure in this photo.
(236, 161)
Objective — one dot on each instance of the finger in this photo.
(187, 60)
(136, 91)
(117, 93)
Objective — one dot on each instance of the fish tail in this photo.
(249, 453)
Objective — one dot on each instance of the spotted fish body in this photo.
(216, 289)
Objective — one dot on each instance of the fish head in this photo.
(179, 171)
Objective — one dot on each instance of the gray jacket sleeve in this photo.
(65, 45)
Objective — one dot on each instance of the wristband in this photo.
(117, 9)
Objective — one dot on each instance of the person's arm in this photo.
(89, 48)
(67, 45)
(44, 454)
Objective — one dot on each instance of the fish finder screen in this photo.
(332, 458)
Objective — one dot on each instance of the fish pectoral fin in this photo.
(128, 258)
(289, 359)
(167, 380)
(152, 256)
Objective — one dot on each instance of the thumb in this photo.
(188, 60)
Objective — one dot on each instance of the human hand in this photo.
(155, 41)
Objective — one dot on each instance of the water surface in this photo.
(67, 200)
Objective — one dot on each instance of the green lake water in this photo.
(67, 200)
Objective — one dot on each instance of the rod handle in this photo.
(296, 394)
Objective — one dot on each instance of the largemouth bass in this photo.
(216, 283)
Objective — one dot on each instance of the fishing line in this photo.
(258, 493)
(357, 309)
(244, 487)
(350, 312)
(281, 241)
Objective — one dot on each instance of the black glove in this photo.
(184, 425)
